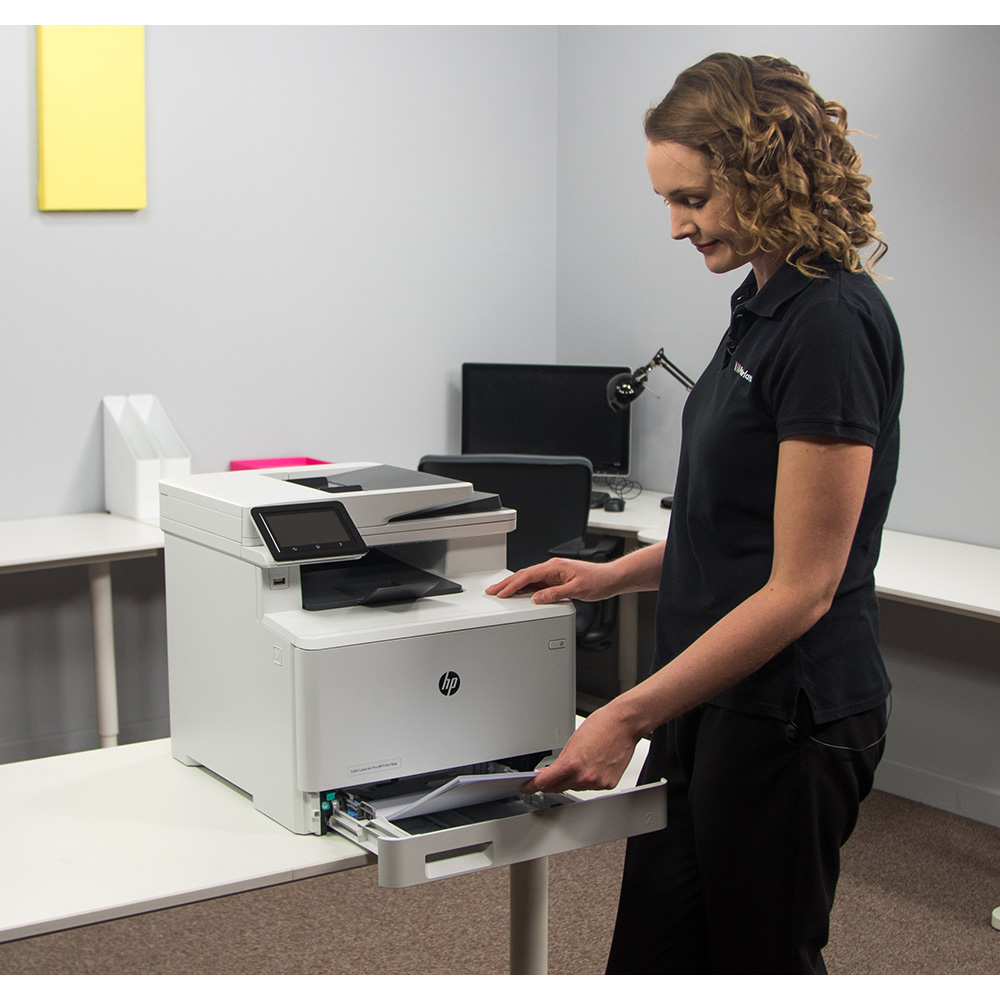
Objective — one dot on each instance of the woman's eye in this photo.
(689, 202)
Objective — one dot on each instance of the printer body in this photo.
(331, 645)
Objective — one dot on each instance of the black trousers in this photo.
(742, 879)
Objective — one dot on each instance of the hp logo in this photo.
(449, 683)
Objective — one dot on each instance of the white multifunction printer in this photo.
(332, 652)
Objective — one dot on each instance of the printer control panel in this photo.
(322, 529)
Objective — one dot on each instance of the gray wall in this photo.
(337, 218)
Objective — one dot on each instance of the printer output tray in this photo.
(425, 848)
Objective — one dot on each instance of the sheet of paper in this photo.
(465, 790)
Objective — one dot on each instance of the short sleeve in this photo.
(831, 375)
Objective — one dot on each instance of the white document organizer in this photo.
(141, 447)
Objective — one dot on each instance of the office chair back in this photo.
(551, 494)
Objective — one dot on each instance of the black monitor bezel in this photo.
(599, 373)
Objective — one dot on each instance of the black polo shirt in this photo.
(801, 356)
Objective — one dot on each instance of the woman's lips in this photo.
(705, 247)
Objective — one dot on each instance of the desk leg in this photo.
(628, 641)
(529, 918)
(628, 635)
(104, 653)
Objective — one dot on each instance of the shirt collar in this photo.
(783, 285)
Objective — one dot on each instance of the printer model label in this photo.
(376, 767)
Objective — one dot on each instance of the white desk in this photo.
(109, 833)
(93, 540)
(641, 513)
(936, 573)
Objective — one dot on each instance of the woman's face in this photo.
(701, 212)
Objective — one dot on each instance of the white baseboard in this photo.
(939, 791)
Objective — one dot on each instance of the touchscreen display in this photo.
(316, 527)
(294, 532)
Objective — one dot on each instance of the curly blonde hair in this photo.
(780, 152)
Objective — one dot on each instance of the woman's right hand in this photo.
(559, 580)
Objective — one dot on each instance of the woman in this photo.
(767, 712)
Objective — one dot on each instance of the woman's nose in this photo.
(681, 225)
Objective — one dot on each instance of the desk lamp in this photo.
(623, 390)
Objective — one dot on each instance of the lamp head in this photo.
(624, 389)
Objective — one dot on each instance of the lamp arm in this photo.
(662, 361)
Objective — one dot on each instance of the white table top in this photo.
(937, 573)
(74, 539)
(641, 513)
(108, 833)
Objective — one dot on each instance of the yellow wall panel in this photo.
(91, 117)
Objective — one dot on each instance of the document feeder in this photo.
(332, 652)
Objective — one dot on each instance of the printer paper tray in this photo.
(412, 853)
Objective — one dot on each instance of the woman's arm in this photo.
(820, 490)
(560, 579)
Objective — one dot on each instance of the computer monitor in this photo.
(545, 410)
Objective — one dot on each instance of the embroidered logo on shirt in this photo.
(742, 372)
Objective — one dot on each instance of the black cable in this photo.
(834, 746)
